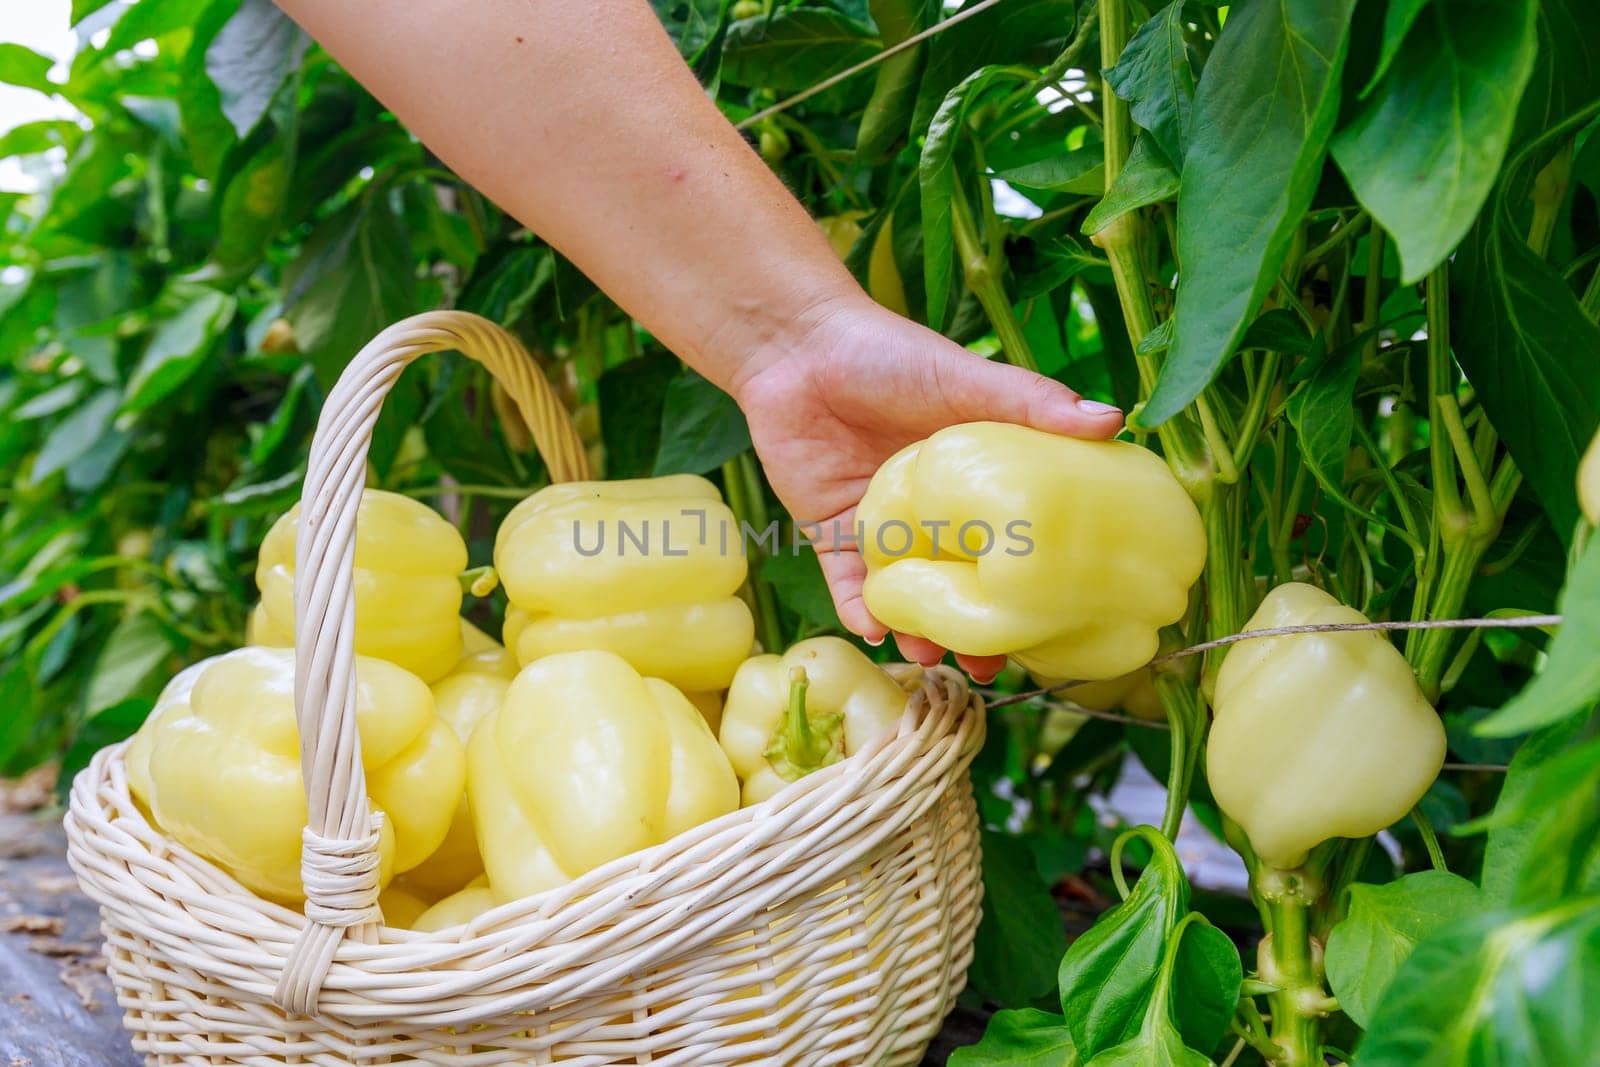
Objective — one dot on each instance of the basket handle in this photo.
(339, 856)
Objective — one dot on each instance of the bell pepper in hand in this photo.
(1067, 555)
(586, 761)
(1317, 735)
(789, 715)
(217, 766)
(648, 569)
(408, 561)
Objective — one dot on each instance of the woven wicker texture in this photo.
(832, 924)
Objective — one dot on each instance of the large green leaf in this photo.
(1520, 817)
(76, 434)
(1155, 76)
(1570, 680)
(1020, 937)
(1500, 989)
(795, 49)
(136, 647)
(252, 208)
(1145, 178)
(1108, 974)
(1262, 114)
(1207, 974)
(1323, 414)
(701, 427)
(1398, 18)
(1423, 153)
(631, 398)
(21, 65)
(887, 115)
(250, 58)
(1382, 926)
(1024, 1037)
(178, 347)
(1017, 31)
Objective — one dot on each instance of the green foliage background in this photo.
(1339, 257)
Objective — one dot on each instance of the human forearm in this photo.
(582, 121)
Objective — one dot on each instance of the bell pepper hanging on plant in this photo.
(789, 715)
(217, 766)
(648, 568)
(1317, 735)
(1067, 555)
(1589, 482)
(586, 761)
(408, 562)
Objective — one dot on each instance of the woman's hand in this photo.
(853, 387)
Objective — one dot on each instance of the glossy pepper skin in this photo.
(1075, 553)
(1317, 735)
(460, 907)
(586, 761)
(1589, 482)
(217, 765)
(408, 593)
(648, 569)
(849, 703)
(1133, 693)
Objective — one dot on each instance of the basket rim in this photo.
(242, 940)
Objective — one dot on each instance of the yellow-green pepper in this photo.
(585, 761)
(1068, 555)
(789, 715)
(408, 562)
(883, 274)
(1589, 482)
(462, 906)
(1317, 735)
(217, 766)
(648, 569)
(1133, 693)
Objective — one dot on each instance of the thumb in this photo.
(1000, 392)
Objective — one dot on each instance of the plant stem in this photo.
(985, 283)
(745, 498)
(1430, 840)
(1185, 719)
(1286, 959)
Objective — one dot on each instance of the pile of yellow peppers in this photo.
(501, 771)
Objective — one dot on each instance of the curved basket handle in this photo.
(339, 857)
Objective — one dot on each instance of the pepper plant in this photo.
(1339, 259)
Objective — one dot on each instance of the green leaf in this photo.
(1146, 178)
(20, 65)
(1021, 936)
(1108, 974)
(207, 131)
(1024, 1037)
(797, 579)
(692, 24)
(76, 434)
(31, 138)
(1570, 680)
(250, 59)
(146, 21)
(1397, 21)
(1279, 330)
(631, 398)
(178, 347)
(701, 427)
(1322, 412)
(1264, 108)
(1207, 976)
(252, 209)
(1081, 170)
(1382, 926)
(135, 650)
(887, 115)
(504, 285)
(1017, 31)
(937, 177)
(50, 401)
(795, 49)
(1515, 824)
(1423, 153)
(1042, 266)
(1501, 988)
(82, 9)
(1155, 76)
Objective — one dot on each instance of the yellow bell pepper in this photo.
(883, 274)
(217, 765)
(1589, 482)
(459, 907)
(482, 654)
(1067, 555)
(1317, 735)
(586, 761)
(789, 715)
(1133, 693)
(408, 590)
(402, 906)
(648, 569)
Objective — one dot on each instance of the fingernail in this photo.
(873, 643)
(929, 664)
(1095, 407)
(985, 681)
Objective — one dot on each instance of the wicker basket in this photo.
(832, 924)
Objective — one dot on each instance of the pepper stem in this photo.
(804, 743)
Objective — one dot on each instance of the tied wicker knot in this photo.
(341, 877)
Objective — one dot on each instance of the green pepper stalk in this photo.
(1291, 959)
(803, 744)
